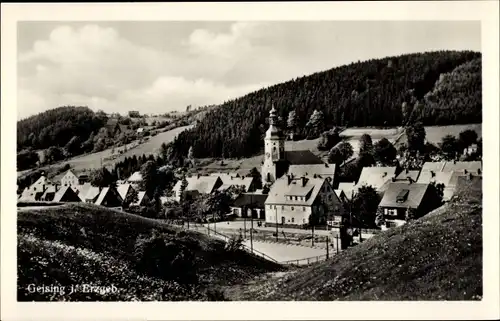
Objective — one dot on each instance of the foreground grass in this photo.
(438, 257)
(86, 244)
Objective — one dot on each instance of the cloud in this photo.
(111, 68)
(94, 66)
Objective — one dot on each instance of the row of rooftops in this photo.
(446, 173)
(47, 190)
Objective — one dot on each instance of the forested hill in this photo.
(369, 93)
(56, 127)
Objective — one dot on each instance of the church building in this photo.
(278, 161)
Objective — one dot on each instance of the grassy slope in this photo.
(84, 243)
(438, 257)
(93, 161)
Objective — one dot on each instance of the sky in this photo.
(157, 67)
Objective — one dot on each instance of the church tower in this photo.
(274, 149)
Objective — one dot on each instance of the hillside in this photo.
(438, 257)
(369, 93)
(143, 258)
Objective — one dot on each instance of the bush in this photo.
(169, 261)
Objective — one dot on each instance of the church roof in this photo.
(302, 157)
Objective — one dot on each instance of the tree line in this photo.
(369, 93)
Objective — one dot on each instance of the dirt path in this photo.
(243, 291)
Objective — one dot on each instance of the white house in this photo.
(291, 201)
(70, 179)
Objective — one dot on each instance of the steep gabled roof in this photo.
(202, 184)
(232, 179)
(306, 193)
(64, 193)
(123, 189)
(404, 175)
(322, 170)
(247, 199)
(135, 177)
(141, 196)
(106, 191)
(347, 188)
(411, 195)
(375, 176)
(92, 193)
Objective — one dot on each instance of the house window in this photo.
(296, 198)
(293, 220)
(304, 220)
(292, 208)
(282, 208)
(304, 209)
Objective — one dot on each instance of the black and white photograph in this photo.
(249, 160)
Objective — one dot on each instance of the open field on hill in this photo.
(88, 244)
(93, 161)
(437, 257)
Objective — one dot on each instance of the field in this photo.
(437, 257)
(93, 161)
(143, 258)
(434, 134)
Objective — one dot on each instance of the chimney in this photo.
(410, 180)
(454, 162)
(479, 171)
(433, 174)
(470, 176)
(289, 179)
(198, 175)
(385, 174)
(304, 181)
(315, 176)
(393, 179)
(326, 164)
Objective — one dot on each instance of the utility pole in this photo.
(350, 218)
(276, 211)
(251, 224)
(245, 222)
(337, 242)
(327, 254)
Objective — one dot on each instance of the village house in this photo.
(376, 177)
(135, 179)
(292, 200)
(66, 194)
(92, 194)
(69, 179)
(323, 170)
(447, 173)
(199, 184)
(126, 191)
(83, 178)
(36, 190)
(142, 200)
(347, 189)
(109, 197)
(470, 150)
(250, 205)
(403, 200)
(81, 190)
(277, 161)
(233, 179)
(114, 128)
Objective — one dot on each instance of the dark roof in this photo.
(247, 198)
(403, 195)
(302, 157)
